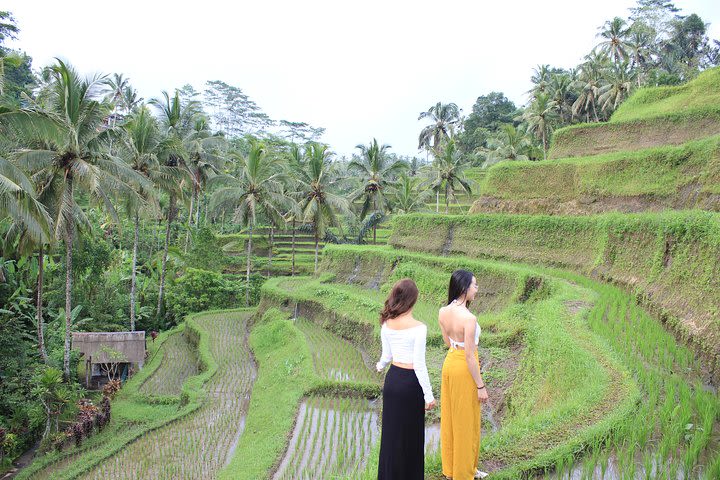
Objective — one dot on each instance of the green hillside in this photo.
(667, 177)
(650, 117)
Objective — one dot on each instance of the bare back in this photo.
(458, 323)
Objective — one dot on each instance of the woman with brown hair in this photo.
(462, 391)
(407, 392)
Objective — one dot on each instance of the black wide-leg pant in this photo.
(402, 440)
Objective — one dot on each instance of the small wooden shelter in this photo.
(109, 355)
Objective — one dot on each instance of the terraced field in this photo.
(179, 362)
(335, 358)
(199, 445)
(332, 438)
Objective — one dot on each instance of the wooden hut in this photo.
(109, 355)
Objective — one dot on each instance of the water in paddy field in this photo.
(333, 437)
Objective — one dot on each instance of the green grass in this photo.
(285, 373)
(659, 172)
(134, 414)
(570, 389)
(669, 260)
(181, 448)
(656, 101)
(335, 358)
(673, 129)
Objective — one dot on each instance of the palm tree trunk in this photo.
(437, 200)
(247, 271)
(317, 249)
(595, 111)
(292, 268)
(447, 198)
(197, 211)
(190, 218)
(133, 274)
(544, 145)
(270, 250)
(68, 299)
(375, 224)
(163, 270)
(38, 307)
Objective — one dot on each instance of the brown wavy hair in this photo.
(402, 298)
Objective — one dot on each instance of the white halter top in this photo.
(455, 344)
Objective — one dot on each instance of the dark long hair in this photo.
(460, 282)
(402, 298)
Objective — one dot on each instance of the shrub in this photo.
(200, 290)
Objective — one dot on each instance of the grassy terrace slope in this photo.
(669, 260)
(157, 430)
(670, 177)
(650, 117)
(565, 389)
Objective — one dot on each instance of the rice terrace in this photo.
(251, 260)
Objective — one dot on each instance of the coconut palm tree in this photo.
(620, 81)
(296, 162)
(448, 173)
(615, 34)
(72, 156)
(540, 116)
(408, 196)
(317, 204)
(140, 147)
(509, 144)
(377, 170)
(560, 89)
(30, 229)
(640, 44)
(257, 190)
(541, 77)
(174, 119)
(590, 80)
(444, 117)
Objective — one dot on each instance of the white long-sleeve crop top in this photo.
(407, 346)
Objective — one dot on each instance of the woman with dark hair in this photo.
(462, 390)
(407, 392)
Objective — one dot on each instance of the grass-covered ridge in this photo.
(702, 91)
(651, 117)
(669, 177)
(553, 409)
(670, 260)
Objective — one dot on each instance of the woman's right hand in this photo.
(482, 395)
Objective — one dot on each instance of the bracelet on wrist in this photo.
(480, 388)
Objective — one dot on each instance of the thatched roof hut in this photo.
(100, 347)
(109, 351)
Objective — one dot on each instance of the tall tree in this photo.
(540, 116)
(409, 196)
(70, 129)
(615, 34)
(449, 172)
(29, 231)
(590, 80)
(620, 81)
(175, 117)
(509, 144)
(205, 157)
(140, 147)
(376, 169)
(444, 117)
(318, 204)
(257, 190)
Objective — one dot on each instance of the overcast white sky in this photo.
(361, 69)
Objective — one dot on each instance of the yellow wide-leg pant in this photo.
(459, 418)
